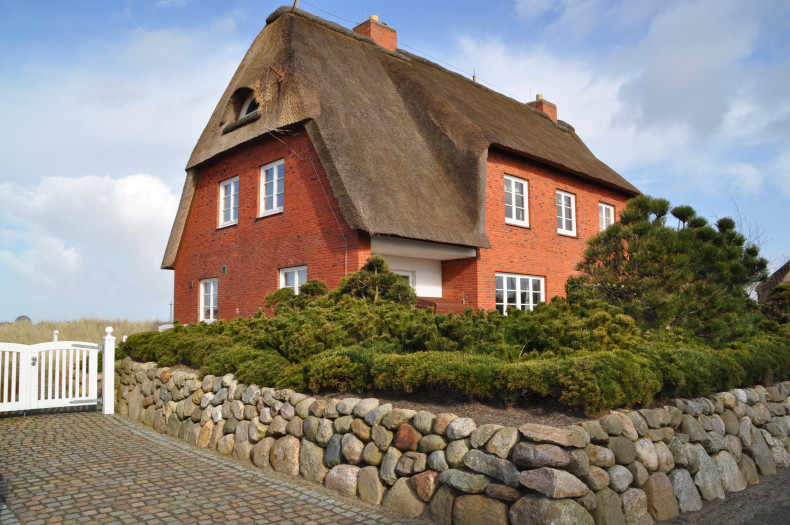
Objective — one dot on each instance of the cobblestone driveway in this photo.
(91, 468)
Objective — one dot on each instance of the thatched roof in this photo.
(780, 276)
(404, 142)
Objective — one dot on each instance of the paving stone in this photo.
(85, 488)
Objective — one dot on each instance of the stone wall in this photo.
(625, 467)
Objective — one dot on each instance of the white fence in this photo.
(56, 374)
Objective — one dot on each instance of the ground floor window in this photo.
(293, 278)
(520, 291)
(208, 300)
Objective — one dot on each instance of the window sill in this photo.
(519, 224)
(269, 214)
(243, 121)
(227, 225)
(567, 234)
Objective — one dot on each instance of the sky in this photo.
(102, 102)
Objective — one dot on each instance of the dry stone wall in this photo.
(633, 467)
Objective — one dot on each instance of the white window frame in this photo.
(563, 197)
(605, 215)
(229, 202)
(245, 108)
(408, 275)
(208, 287)
(277, 193)
(295, 270)
(512, 194)
(522, 299)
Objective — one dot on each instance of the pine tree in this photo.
(692, 277)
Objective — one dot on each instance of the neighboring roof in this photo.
(403, 141)
(780, 276)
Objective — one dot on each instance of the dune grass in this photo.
(87, 330)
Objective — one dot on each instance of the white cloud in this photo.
(94, 243)
(153, 93)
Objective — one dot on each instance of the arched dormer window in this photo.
(250, 106)
(242, 110)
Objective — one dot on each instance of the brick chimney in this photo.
(382, 34)
(545, 106)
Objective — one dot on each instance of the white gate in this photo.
(48, 375)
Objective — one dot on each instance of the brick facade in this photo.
(306, 233)
(255, 249)
(535, 250)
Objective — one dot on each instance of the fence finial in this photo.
(55, 335)
(108, 373)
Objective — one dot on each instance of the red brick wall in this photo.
(537, 250)
(255, 249)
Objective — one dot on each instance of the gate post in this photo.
(108, 373)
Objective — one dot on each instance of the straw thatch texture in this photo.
(403, 141)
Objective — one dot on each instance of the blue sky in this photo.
(103, 101)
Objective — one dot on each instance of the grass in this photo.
(87, 330)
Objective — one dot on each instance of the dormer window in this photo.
(250, 106)
(242, 110)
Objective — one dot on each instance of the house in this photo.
(330, 145)
(780, 276)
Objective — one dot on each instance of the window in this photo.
(516, 209)
(250, 106)
(208, 300)
(229, 202)
(566, 213)
(272, 188)
(520, 291)
(407, 276)
(293, 278)
(605, 215)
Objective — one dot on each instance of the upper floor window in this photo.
(229, 202)
(272, 187)
(605, 215)
(208, 300)
(519, 291)
(293, 278)
(566, 213)
(516, 195)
